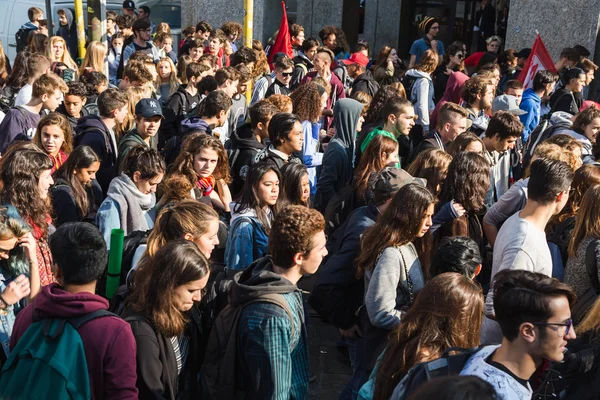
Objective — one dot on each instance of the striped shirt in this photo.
(260, 88)
(181, 346)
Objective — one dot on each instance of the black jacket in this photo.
(72, 120)
(180, 103)
(91, 131)
(337, 294)
(564, 100)
(268, 156)
(243, 147)
(277, 88)
(64, 206)
(302, 65)
(365, 83)
(429, 142)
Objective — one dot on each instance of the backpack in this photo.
(218, 371)
(585, 302)
(52, 348)
(447, 365)
(22, 38)
(543, 131)
(408, 81)
(339, 208)
(8, 95)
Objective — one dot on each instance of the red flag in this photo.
(283, 43)
(538, 60)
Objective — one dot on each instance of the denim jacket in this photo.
(247, 241)
(7, 321)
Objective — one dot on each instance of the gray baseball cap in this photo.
(508, 103)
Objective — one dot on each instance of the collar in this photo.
(278, 153)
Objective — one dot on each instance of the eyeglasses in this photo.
(568, 323)
(286, 73)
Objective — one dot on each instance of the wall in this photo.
(382, 23)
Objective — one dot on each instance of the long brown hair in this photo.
(447, 313)
(397, 226)
(177, 263)
(192, 146)
(589, 222)
(467, 182)
(431, 165)
(306, 101)
(55, 119)
(585, 177)
(373, 161)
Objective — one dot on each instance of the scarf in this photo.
(133, 204)
(207, 185)
(58, 160)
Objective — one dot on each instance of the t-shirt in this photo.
(421, 46)
(24, 95)
(18, 124)
(238, 114)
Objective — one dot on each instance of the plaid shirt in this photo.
(276, 363)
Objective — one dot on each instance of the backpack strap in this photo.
(76, 322)
(591, 265)
(277, 299)
(80, 321)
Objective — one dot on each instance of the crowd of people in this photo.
(439, 206)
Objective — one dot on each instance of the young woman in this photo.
(130, 200)
(26, 179)
(57, 52)
(134, 94)
(585, 129)
(161, 312)
(76, 195)
(388, 67)
(251, 217)
(18, 76)
(422, 91)
(432, 165)
(564, 99)
(390, 264)
(294, 187)
(19, 275)
(54, 137)
(167, 80)
(5, 69)
(467, 183)
(94, 58)
(453, 62)
(203, 161)
(508, 69)
(381, 152)
(37, 43)
(114, 56)
(447, 313)
(466, 141)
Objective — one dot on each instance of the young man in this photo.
(239, 109)
(303, 61)
(67, 29)
(181, 103)
(589, 68)
(286, 137)
(543, 84)
(125, 26)
(135, 74)
(362, 79)
(73, 105)
(247, 141)
(98, 132)
(296, 37)
(430, 27)
(148, 116)
(568, 98)
(111, 25)
(534, 315)
(501, 135)
(569, 58)
(284, 67)
(514, 88)
(227, 80)
(35, 15)
(20, 123)
(196, 49)
(215, 46)
(144, 13)
(215, 110)
(80, 257)
(262, 84)
(202, 32)
(37, 65)
(129, 8)
(451, 122)
(233, 31)
(274, 360)
(521, 242)
(244, 55)
(142, 42)
(478, 94)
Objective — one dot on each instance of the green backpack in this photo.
(49, 361)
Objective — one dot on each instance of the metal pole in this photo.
(49, 18)
(80, 30)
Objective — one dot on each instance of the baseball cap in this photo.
(148, 108)
(129, 5)
(508, 103)
(390, 180)
(523, 53)
(357, 58)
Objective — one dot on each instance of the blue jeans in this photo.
(350, 391)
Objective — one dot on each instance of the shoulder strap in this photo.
(591, 265)
(22, 111)
(277, 299)
(80, 321)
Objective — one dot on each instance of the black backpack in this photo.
(22, 38)
(408, 82)
(8, 95)
(585, 302)
(543, 131)
(339, 208)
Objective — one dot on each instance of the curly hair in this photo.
(585, 118)
(474, 87)
(432, 165)
(20, 174)
(306, 102)
(372, 162)
(261, 67)
(191, 147)
(397, 226)
(281, 101)
(380, 99)
(55, 119)
(467, 182)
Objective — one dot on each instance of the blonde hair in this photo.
(173, 81)
(94, 57)
(66, 57)
(134, 94)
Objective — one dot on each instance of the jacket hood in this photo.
(346, 114)
(455, 83)
(194, 124)
(418, 74)
(68, 15)
(301, 57)
(29, 26)
(90, 121)
(530, 94)
(244, 138)
(54, 301)
(256, 280)
(561, 118)
(249, 212)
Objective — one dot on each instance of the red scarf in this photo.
(58, 160)
(207, 185)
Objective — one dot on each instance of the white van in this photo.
(13, 14)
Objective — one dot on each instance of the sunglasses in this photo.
(460, 55)
(286, 73)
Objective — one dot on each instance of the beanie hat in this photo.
(427, 23)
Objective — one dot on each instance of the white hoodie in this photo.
(422, 96)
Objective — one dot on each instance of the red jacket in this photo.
(108, 342)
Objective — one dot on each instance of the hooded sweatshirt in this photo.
(302, 65)
(531, 103)
(311, 156)
(422, 96)
(102, 141)
(69, 33)
(243, 147)
(108, 342)
(338, 160)
(365, 83)
(247, 239)
(456, 80)
(180, 103)
(273, 362)
(130, 140)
